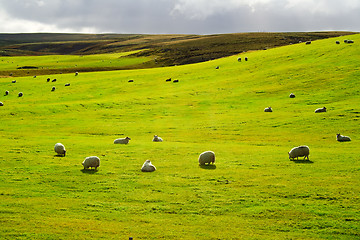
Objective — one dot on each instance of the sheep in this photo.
(68, 84)
(320, 110)
(54, 80)
(13, 81)
(148, 167)
(157, 139)
(207, 157)
(60, 149)
(131, 80)
(301, 151)
(20, 94)
(168, 80)
(246, 58)
(292, 95)
(76, 73)
(6, 93)
(91, 162)
(337, 42)
(341, 138)
(268, 109)
(308, 42)
(1, 104)
(217, 67)
(53, 89)
(176, 80)
(350, 41)
(122, 140)
(48, 80)
(239, 59)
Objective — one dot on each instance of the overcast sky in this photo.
(178, 16)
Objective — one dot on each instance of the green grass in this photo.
(254, 192)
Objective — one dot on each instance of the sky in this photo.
(178, 16)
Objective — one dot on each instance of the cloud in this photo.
(177, 16)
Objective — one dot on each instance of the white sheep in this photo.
(1, 104)
(91, 162)
(60, 149)
(148, 167)
(207, 157)
(122, 140)
(157, 139)
(301, 151)
(268, 109)
(292, 95)
(320, 110)
(342, 138)
(76, 73)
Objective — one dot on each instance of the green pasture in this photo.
(253, 192)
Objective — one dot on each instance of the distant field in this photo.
(253, 192)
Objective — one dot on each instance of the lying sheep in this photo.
(131, 80)
(320, 110)
(148, 167)
(301, 151)
(60, 149)
(20, 94)
(1, 104)
(157, 139)
(268, 109)
(68, 84)
(207, 157)
(292, 95)
(91, 162)
(122, 140)
(342, 138)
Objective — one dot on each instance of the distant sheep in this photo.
(60, 149)
(68, 84)
(342, 138)
(53, 89)
(76, 73)
(268, 109)
(54, 80)
(176, 80)
(239, 59)
(292, 95)
(1, 104)
(6, 93)
(301, 151)
(131, 80)
(13, 81)
(48, 80)
(157, 139)
(148, 167)
(122, 140)
(207, 158)
(168, 80)
(246, 58)
(308, 42)
(350, 41)
(91, 162)
(337, 42)
(320, 110)
(20, 94)
(345, 41)
(217, 67)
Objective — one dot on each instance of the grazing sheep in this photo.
(148, 167)
(207, 157)
(131, 80)
(176, 80)
(53, 89)
(350, 41)
(60, 149)
(157, 139)
(54, 80)
(168, 80)
(91, 162)
(308, 42)
(48, 80)
(320, 110)
(239, 59)
(1, 104)
(76, 73)
(14, 81)
(217, 67)
(20, 94)
(68, 84)
(342, 138)
(292, 95)
(6, 93)
(122, 140)
(246, 58)
(301, 151)
(268, 109)
(337, 42)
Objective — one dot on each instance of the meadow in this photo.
(252, 192)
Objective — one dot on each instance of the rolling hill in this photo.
(253, 192)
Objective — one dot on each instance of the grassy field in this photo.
(253, 192)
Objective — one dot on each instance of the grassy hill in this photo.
(252, 192)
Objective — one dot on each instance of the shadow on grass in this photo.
(302, 161)
(210, 167)
(58, 155)
(89, 171)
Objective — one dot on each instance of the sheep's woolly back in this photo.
(90, 162)
(122, 140)
(319, 110)
(342, 138)
(206, 157)
(60, 149)
(148, 167)
(301, 151)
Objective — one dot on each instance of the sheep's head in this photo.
(127, 138)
